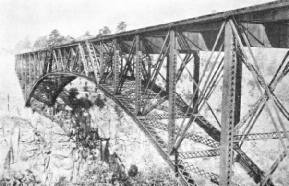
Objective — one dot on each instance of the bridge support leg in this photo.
(116, 66)
(34, 69)
(230, 105)
(172, 89)
(20, 69)
(37, 62)
(196, 76)
(101, 62)
(23, 73)
(41, 63)
(30, 62)
(149, 61)
(26, 78)
(137, 75)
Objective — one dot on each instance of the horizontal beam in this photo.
(258, 136)
(277, 14)
(199, 154)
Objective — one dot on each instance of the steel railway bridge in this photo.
(140, 71)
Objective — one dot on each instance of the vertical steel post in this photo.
(172, 88)
(60, 59)
(26, 77)
(230, 105)
(167, 74)
(37, 60)
(137, 75)
(55, 60)
(41, 64)
(40, 57)
(101, 62)
(48, 61)
(20, 69)
(196, 76)
(116, 66)
(35, 69)
(22, 74)
(30, 72)
(149, 61)
(121, 64)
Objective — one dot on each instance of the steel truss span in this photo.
(142, 70)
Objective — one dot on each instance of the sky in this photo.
(35, 18)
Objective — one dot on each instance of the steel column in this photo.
(116, 66)
(56, 63)
(34, 69)
(37, 61)
(172, 88)
(137, 75)
(60, 59)
(30, 72)
(26, 77)
(48, 62)
(101, 62)
(20, 69)
(196, 77)
(230, 106)
(40, 64)
(149, 61)
(23, 74)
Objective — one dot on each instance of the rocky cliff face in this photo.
(39, 149)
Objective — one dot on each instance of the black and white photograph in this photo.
(144, 92)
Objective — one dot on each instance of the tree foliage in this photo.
(121, 27)
(87, 35)
(41, 42)
(104, 31)
(23, 45)
(53, 39)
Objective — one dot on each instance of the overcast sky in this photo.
(34, 18)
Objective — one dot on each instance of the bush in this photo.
(133, 170)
